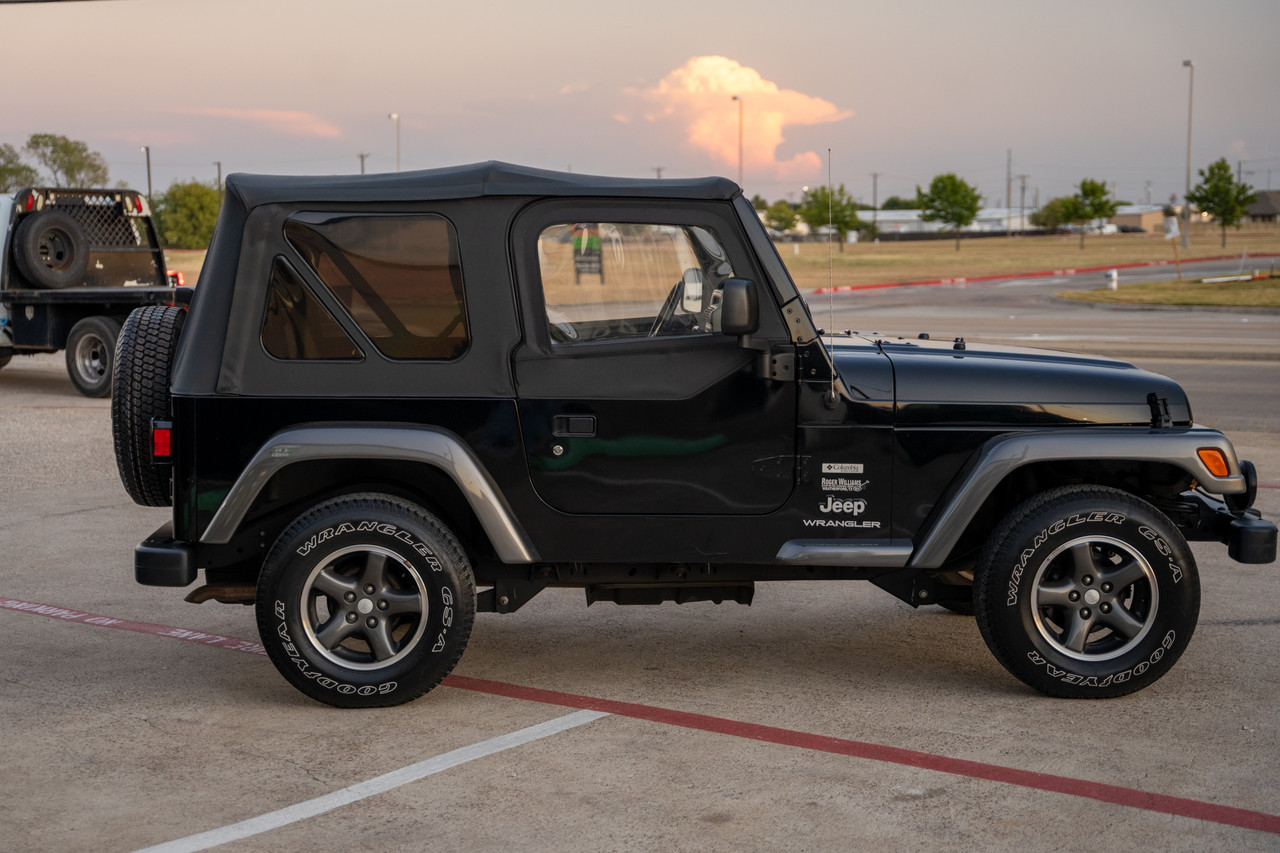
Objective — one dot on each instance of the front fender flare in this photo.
(1004, 454)
(436, 447)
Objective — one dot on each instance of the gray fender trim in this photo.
(1001, 456)
(436, 447)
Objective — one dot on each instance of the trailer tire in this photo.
(91, 353)
(140, 393)
(51, 250)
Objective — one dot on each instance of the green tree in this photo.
(14, 174)
(185, 214)
(1221, 196)
(1057, 212)
(759, 202)
(69, 161)
(821, 207)
(894, 202)
(951, 201)
(1094, 203)
(780, 216)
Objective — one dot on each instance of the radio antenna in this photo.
(831, 305)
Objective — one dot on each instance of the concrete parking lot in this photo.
(823, 717)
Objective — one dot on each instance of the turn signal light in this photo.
(1214, 460)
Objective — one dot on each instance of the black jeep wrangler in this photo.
(390, 390)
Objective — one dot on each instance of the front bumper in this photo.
(159, 560)
(1248, 536)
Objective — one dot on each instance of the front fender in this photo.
(1003, 455)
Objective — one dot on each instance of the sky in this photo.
(906, 90)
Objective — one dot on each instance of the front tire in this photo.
(365, 601)
(1087, 592)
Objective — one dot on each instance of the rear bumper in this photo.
(159, 560)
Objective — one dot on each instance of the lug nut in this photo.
(1073, 595)
(1087, 580)
(1105, 608)
(371, 622)
(1085, 613)
(351, 617)
(383, 605)
(1106, 587)
(368, 589)
(349, 597)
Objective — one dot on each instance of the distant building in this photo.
(1266, 208)
(1148, 217)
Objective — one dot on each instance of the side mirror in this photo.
(740, 307)
(693, 285)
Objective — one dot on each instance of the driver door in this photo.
(631, 401)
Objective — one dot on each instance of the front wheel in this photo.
(365, 601)
(1087, 592)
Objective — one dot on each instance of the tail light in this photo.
(161, 442)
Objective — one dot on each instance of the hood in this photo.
(938, 384)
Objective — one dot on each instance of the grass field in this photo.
(1263, 293)
(869, 263)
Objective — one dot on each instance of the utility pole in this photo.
(1022, 203)
(658, 171)
(1186, 205)
(218, 163)
(362, 156)
(875, 204)
(1148, 192)
(1008, 191)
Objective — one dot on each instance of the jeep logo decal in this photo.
(857, 507)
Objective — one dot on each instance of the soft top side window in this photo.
(398, 275)
(619, 281)
(297, 326)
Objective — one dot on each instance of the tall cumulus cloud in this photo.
(698, 96)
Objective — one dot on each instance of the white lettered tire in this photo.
(365, 601)
(1087, 592)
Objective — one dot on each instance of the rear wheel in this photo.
(1087, 592)
(365, 601)
(91, 353)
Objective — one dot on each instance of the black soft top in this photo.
(478, 179)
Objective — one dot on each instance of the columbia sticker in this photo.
(841, 468)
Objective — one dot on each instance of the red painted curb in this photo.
(846, 288)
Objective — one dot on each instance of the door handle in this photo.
(573, 426)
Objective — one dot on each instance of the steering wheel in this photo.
(668, 309)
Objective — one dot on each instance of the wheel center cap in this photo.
(366, 606)
(1091, 596)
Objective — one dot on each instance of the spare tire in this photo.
(140, 392)
(51, 250)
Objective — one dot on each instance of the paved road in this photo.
(824, 717)
(1023, 312)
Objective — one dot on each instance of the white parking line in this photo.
(377, 785)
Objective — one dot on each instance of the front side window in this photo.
(398, 276)
(619, 281)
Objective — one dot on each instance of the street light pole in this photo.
(739, 100)
(396, 118)
(1186, 205)
(146, 149)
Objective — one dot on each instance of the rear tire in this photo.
(51, 250)
(91, 353)
(140, 393)
(365, 601)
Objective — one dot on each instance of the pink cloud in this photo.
(289, 122)
(698, 96)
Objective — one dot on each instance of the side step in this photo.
(640, 593)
